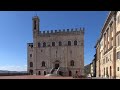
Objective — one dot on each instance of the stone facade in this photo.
(93, 67)
(59, 51)
(108, 47)
(87, 69)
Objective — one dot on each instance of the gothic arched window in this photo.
(44, 44)
(60, 43)
(71, 63)
(69, 43)
(53, 43)
(75, 42)
(43, 64)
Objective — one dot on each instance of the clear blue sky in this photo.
(16, 32)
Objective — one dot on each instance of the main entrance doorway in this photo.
(57, 66)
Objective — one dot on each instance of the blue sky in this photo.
(16, 32)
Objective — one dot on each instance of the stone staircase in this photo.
(54, 71)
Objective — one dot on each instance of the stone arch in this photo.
(39, 73)
(44, 72)
(31, 72)
(70, 73)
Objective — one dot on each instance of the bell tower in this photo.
(35, 30)
(35, 26)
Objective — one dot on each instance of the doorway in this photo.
(70, 73)
(56, 66)
(31, 72)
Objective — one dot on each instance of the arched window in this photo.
(53, 43)
(31, 64)
(34, 24)
(44, 72)
(44, 44)
(38, 44)
(71, 63)
(43, 64)
(75, 42)
(117, 68)
(60, 43)
(69, 43)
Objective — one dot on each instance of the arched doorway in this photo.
(56, 65)
(39, 73)
(44, 72)
(61, 73)
(31, 72)
(70, 73)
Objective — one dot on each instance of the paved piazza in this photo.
(34, 77)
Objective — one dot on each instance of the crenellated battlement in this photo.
(64, 31)
(30, 45)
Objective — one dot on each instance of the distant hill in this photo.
(6, 71)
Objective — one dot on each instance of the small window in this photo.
(30, 55)
(43, 64)
(53, 43)
(39, 45)
(118, 55)
(117, 68)
(60, 43)
(118, 19)
(71, 63)
(118, 41)
(75, 42)
(69, 43)
(44, 44)
(31, 64)
(106, 59)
